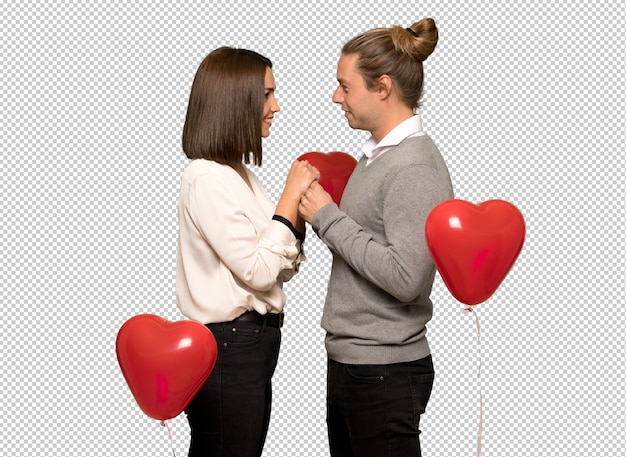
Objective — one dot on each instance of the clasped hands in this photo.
(305, 179)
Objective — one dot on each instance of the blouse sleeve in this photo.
(257, 259)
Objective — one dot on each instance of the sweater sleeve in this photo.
(397, 261)
(257, 259)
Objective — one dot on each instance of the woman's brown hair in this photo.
(397, 52)
(225, 109)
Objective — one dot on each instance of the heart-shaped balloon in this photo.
(164, 363)
(474, 246)
(335, 170)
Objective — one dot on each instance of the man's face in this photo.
(356, 100)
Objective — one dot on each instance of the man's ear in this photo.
(385, 85)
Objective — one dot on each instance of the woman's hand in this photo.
(312, 200)
(300, 177)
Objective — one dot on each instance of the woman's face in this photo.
(270, 106)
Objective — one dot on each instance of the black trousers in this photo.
(229, 416)
(374, 410)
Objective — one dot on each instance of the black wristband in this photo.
(290, 226)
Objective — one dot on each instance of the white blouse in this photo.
(231, 256)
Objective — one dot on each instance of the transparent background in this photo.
(525, 101)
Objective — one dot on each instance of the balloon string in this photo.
(169, 434)
(480, 423)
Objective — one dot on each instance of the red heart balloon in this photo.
(335, 170)
(474, 246)
(164, 363)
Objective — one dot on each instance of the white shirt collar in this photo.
(411, 127)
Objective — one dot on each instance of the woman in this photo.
(380, 370)
(234, 248)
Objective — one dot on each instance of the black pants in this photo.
(229, 416)
(374, 410)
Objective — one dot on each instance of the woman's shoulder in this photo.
(198, 166)
(202, 167)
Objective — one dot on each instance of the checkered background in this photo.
(524, 100)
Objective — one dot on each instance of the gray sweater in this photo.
(378, 298)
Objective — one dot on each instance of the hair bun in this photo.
(425, 38)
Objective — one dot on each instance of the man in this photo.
(380, 371)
